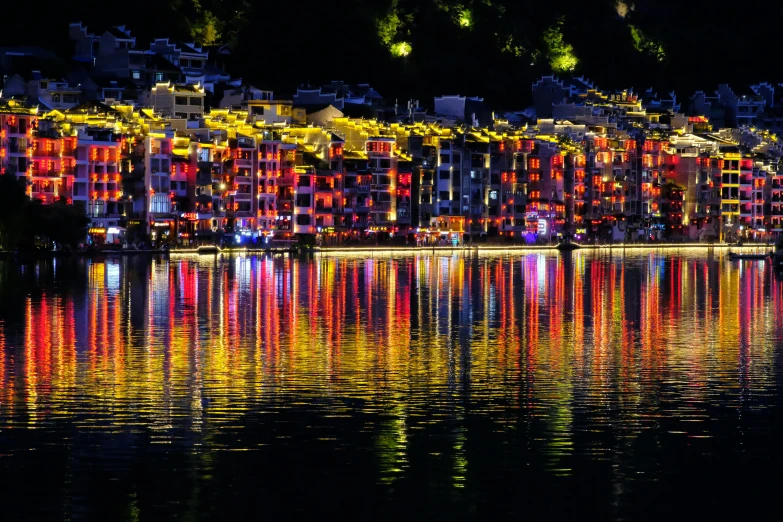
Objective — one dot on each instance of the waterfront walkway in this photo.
(402, 249)
(379, 250)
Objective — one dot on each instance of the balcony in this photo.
(244, 162)
(46, 153)
(381, 207)
(324, 187)
(320, 209)
(45, 173)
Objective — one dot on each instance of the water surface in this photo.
(531, 386)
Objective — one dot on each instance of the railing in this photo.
(46, 153)
(45, 173)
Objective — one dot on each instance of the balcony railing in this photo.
(46, 153)
(45, 173)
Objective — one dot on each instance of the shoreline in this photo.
(379, 250)
(375, 250)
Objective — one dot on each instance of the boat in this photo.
(750, 257)
(208, 250)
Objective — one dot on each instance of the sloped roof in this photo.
(92, 107)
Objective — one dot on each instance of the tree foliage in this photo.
(26, 224)
(490, 48)
(644, 45)
(559, 54)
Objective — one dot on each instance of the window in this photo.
(196, 64)
(445, 158)
(158, 76)
(180, 100)
(304, 181)
(444, 195)
(182, 115)
(184, 62)
(444, 174)
(55, 98)
(257, 111)
(384, 163)
(136, 75)
(303, 219)
(195, 100)
(456, 157)
(303, 200)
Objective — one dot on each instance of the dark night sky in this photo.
(280, 47)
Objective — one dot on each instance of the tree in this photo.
(207, 30)
(559, 54)
(26, 224)
(13, 201)
(64, 224)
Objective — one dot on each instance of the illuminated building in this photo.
(304, 201)
(627, 168)
(184, 102)
(97, 182)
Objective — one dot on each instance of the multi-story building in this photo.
(176, 101)
(52, 164)
(248, 173)
(773, 196)
(97, 187)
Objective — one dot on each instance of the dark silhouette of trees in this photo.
(29, 225)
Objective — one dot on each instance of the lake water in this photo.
(458, 387)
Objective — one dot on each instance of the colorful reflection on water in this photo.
(599, 385)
